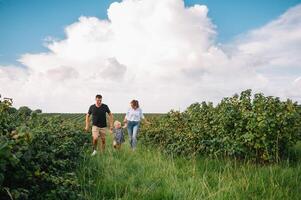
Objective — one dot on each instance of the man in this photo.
(99, 123)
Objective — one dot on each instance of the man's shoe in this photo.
(94, 153)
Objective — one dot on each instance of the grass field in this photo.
(149, 174)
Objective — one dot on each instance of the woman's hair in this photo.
(135, 103)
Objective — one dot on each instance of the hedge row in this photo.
(38, 156)
(259, 128)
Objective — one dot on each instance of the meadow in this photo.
(48, 155)
(149, 173)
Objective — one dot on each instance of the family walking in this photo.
(132, 120)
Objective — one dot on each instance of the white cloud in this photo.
(113, 70)
(160, 52)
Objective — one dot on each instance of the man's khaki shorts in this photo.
(96, 132)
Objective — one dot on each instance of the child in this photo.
(118, 135)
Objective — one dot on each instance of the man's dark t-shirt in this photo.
(99, 115)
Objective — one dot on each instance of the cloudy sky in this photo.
(56, 55)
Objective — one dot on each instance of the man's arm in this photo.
(87, 122)
(111, 118)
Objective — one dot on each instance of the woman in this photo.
(132, 120)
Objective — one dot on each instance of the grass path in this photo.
(148, 174)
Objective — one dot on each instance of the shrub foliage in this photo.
(259, 128)
(38, 156)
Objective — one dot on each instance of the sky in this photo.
(165, 53)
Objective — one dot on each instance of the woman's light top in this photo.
(134, 115)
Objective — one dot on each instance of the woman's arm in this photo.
(126, 116)
(125, 121)
(146, 121)
(143, 117)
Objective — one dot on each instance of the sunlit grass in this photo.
(148, 174)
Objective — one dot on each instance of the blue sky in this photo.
(238, 45)
(25, 24)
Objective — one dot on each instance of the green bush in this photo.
(38, 111)
(259, 129)
(24, 112)
(38, 157)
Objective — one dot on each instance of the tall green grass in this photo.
(149, 174)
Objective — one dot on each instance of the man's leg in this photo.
(95, 135)
(102, 144)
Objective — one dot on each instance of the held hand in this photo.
(87, 128)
